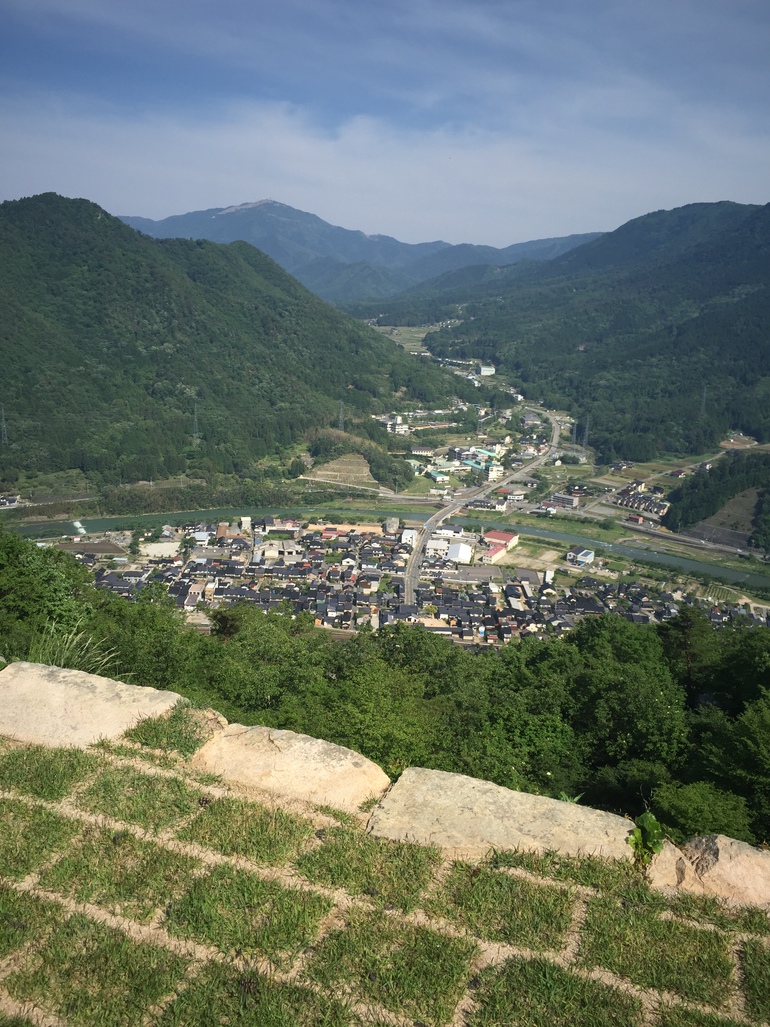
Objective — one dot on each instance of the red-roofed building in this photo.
(501, 538)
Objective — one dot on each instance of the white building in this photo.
(460, 552)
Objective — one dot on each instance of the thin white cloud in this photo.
(460, 185)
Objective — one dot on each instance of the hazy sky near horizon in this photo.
(485, 121)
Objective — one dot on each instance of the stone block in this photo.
(732, 870)
(53, 706)
(671, 871)
(469, 817)
(292, 766)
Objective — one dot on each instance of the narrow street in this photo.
(412, 572)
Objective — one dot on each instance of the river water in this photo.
(735, 576)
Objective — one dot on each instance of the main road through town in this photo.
(412, 573)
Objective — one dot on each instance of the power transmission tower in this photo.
(3, 431)
(586, 431)
(341, 422)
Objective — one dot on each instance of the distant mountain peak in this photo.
(245, 206)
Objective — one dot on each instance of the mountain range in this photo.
(135, 358)
(656, 336)
(338, 264)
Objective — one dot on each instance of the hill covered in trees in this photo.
(134, 358)
(338, 264)
(656, 335)
(675, 715)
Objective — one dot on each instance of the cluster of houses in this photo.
(642, 498)
(346, 577)
(460, 460)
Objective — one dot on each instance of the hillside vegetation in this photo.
(117, 347)
(655, 335)
(708, 491)
(338, 264)
(676, 716)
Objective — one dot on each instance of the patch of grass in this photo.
(406, 969)
(114, 869)
(45, 773)
(590, 871)
(241, 998)
(178, 731)
(151, 801)
(234, 909)
(709, 909)
(540, 994)
(166, 761)
(390, 873)
(498, 907)
(91, 974)
(346, 819)
(631, 939)
(239, 828)
(28, 836)
(679, 1016)
(368, 804)
(23, 918)
(755, 962)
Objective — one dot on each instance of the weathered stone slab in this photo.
(53, 706)
(470, 817)
(292, 766)
(671, 871)
(730, 869)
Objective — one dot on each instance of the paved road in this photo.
(412, 572)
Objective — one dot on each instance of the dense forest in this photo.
(655, 335)
(674, 717)
(134, 358)
(710, 489)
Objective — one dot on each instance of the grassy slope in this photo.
(132, 891)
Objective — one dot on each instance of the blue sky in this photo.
(487, 121)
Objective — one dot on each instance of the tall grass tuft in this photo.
(73, 648)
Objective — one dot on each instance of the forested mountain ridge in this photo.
(657, 335)
(339, 264)
(116, 346)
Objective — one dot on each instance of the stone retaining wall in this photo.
(464, 816)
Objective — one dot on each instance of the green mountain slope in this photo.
(113, 343)
(340, 265)
(657, 335)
